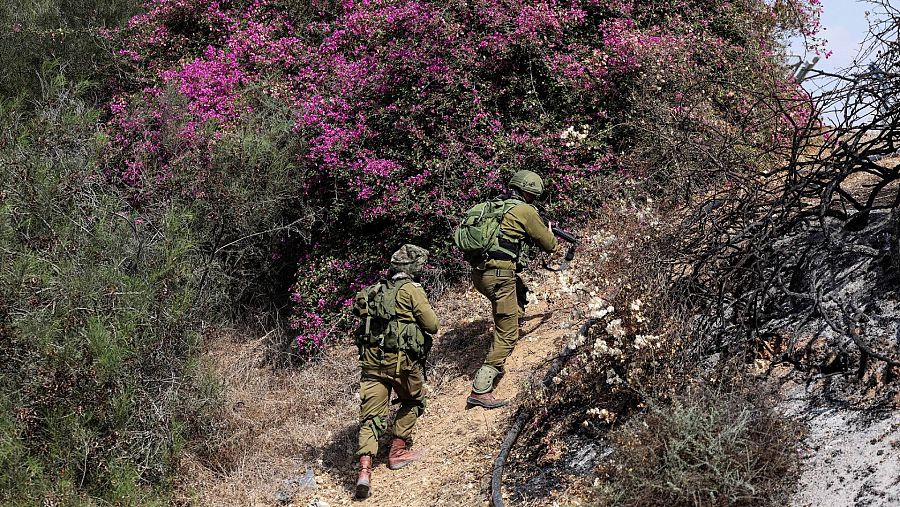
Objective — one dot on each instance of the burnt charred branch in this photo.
(804, 244)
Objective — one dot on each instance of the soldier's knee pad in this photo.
(484, 379)
(376, 424)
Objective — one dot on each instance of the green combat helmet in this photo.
(527, 181)
(409, 259)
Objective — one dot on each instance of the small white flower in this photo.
(640, 341)
(615, 329)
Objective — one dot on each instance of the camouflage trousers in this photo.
(507, 293)
(375, 387)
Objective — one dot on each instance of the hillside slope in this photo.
(287, 421)
(287, 424)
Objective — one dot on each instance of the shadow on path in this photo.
(460, 351)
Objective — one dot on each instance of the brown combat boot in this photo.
(401, 456)
(485, 400)
(365, 477)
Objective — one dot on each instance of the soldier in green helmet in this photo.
(495, 276)
(394, 337)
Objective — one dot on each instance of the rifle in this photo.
(570, 253)
(565, 235)
(562, 234)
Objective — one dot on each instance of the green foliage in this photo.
(35, 32)
(249, 211)
(98, 320)
(706, 447)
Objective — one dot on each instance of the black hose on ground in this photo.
(523, 415)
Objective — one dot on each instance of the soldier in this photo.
(394, 338)
(497, 279)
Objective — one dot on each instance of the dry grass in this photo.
(630, 379)
(274, 423)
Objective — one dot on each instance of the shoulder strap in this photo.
(511, 203)
(390, 295)
(504, 245)
(371, 301)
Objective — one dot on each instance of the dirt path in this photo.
(288, 422)
(461, 442)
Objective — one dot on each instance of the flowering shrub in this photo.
(406, 112)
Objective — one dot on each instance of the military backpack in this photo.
(376, 306)
(479, 236)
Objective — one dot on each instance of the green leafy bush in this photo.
(707, 447)
(248, 217)
(33, 32)
(99, 317)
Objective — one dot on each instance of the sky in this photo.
(844, 26)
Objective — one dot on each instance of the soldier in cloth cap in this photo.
(394, 337)
(496, 278)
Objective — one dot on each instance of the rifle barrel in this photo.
(565, 235)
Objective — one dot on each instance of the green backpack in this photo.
(376, 305)
(479, 231)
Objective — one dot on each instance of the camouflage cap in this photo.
(409, 259)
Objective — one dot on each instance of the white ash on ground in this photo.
(849, 457)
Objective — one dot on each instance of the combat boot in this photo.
(485, 400)
(401, 455)
(365, 477)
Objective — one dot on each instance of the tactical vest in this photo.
(376, 306)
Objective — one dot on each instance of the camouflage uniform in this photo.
(497, 280)
(383, 372)
(400, 371)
